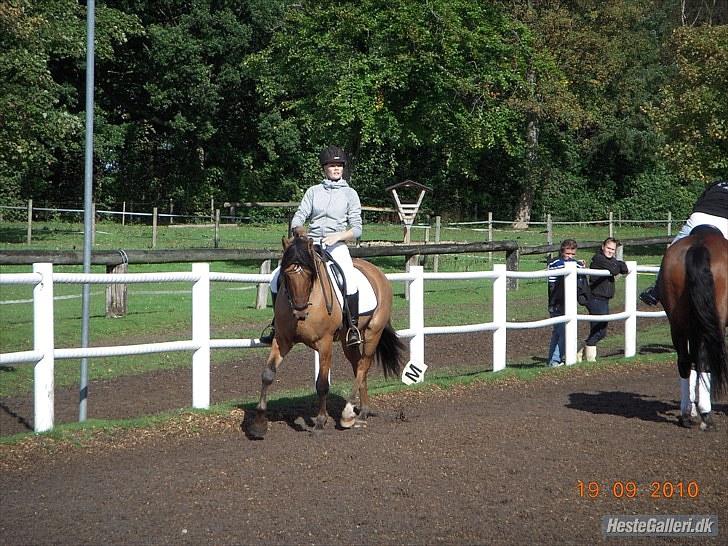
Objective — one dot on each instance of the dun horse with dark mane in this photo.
(307, 311)
(694, 293)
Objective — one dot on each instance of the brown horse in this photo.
(307, 311)
(694, 292)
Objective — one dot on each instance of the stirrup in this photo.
(267, 339)
(353, 336)
(648, 297)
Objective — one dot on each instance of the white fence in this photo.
(44, 352)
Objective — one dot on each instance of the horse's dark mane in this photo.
(298, 253)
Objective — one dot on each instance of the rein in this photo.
(319, 271)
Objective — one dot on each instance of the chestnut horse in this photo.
(307, 311)
(694, 292)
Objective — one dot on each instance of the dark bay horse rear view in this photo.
(307, 311)
(694, 293)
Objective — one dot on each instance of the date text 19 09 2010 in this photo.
(630, 489)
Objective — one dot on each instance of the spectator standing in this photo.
(567, 253)
(602, 290)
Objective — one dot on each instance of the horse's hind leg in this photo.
(703, 400)
(687, 382)
(359, 391)
(259, 426)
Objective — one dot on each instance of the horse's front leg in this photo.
(259, 426)
(324, 348)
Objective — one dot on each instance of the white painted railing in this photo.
(44, 352)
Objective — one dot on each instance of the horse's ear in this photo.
(309, 245)
(286, 242)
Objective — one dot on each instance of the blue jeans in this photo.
(598, 330)
(557, 347)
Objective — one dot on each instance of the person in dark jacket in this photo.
(602, 290)
(710, 209)
(567, 253)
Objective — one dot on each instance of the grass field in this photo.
(162, 311)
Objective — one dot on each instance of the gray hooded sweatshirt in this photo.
(331, 206)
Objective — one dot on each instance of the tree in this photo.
(692, 108)
(411, 89)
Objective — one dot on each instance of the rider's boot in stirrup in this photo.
(353, 335)
(267, 339)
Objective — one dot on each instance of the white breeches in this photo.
(700, 218)
(340, 253)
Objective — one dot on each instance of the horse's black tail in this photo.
(389, 351)
(706, 333)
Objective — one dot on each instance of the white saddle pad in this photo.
(367, 298)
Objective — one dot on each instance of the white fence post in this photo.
(261, 300)
(201, 336)
(499, 317)
(43, 380)
(417, 314)
(570, 311)
(630, 306)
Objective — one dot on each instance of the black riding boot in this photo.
(268, 338)
(651, 295)
(353, 335)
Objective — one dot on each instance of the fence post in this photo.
(123, 214)
(154, 227)
(43, 373)
(669, 223)
(630, 306)
(512, 260)
(217, 228)
(261, 302)
(611, 224)
(30, 220)
(417, 314)
(116, 293)
(549, 235)
(201, 336)
(490, 235)
(570, 312)
(436, 257)
(171, 212)
(499, 317)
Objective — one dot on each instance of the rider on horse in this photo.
(334, 211)
(711, 209)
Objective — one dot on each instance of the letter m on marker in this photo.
(414, 373)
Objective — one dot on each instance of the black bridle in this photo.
(302, 259)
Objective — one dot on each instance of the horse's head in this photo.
(298, 270)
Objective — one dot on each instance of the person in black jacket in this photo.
(602, 290)
(710, 209)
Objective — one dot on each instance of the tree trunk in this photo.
(525, 201)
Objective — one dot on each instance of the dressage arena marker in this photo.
(414, 373)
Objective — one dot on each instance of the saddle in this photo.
(705, 229)
(367, 298)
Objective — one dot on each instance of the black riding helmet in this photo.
(332, 154)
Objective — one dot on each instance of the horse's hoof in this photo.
(706, 421)
(360, 423)
(258, 428)
(685, 421)
(347, 423)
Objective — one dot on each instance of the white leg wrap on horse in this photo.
(704, 405)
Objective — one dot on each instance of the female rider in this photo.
(333, 211)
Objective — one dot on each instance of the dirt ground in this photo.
(495, 463)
